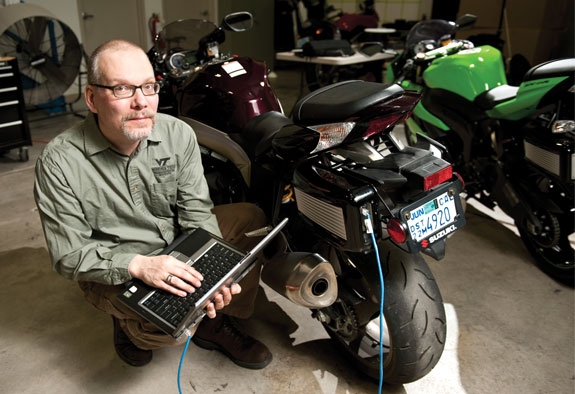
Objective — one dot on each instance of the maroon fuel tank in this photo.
(227, 95)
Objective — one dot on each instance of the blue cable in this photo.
(181, 362)
(380, 304)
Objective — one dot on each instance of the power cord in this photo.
(189, 334)
(370, 231)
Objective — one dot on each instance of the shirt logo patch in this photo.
(162, 162)
(163, 168)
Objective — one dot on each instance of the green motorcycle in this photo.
(513, 145)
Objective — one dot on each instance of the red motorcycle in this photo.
(362, 204)
(335, 29)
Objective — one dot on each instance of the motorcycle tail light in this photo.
(438, 177)
(331, 134)
(396, 231)
(381, 124)
(563, 126)
(462, 181)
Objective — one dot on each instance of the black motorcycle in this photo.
(348, 184)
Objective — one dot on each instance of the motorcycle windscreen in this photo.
(182, 35)
(433, 29)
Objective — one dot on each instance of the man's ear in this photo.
(89, 97)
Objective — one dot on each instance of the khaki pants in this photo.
(234, 221)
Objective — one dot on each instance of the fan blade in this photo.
(37, 33)
(49, 69)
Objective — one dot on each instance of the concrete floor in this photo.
(510, 327)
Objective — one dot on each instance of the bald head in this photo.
(94, 75)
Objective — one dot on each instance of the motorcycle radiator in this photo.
(557, 159)
(328, 216)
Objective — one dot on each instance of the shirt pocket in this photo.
(164, 198)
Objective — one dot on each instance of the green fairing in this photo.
(410, 85)
(426, 116)
(389, 77)
(420, 111)
(525, 103)
(467, 73)
(413, 128)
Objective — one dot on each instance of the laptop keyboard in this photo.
(213, 265)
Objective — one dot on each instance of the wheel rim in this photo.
(550, 232)
(361, 342)
(551, 246)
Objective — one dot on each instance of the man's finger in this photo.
(227, 296)
(218, 301)
(236, 289)
(196, 273)
(211, 310)
(184, 274)
(181, 284)
(171, 289)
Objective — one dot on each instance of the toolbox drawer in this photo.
(14, 130)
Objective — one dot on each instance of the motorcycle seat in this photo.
(490, 98)
(550, 69)
(340, 101)
(258, 132)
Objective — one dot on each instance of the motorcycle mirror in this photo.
(466, 20)
(371, 48)
(238, 21)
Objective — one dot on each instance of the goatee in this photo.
(138, 133)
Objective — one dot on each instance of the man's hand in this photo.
(222, 299)
(166, 273)
(170, 274)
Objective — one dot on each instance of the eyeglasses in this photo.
(126, 91)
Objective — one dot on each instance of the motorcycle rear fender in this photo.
(222, 144)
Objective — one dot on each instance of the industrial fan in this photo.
(48, 53)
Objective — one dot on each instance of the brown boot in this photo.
(224, 334)
(127, 351)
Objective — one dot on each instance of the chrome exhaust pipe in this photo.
(306, 279)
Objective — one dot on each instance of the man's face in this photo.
(123, 119)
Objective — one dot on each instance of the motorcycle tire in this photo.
(224, 181)
(554, 253)
(415, 322)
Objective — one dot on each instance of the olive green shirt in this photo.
(99, 208)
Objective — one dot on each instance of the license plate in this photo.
(432, 216)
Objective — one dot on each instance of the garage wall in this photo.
(537, 29)
(390, 10)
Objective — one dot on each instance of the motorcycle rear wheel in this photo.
(552, 251)
(414, 328)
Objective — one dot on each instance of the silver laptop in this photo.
(220, 263)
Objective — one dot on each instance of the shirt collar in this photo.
(95, 142)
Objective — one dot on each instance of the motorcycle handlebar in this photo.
(451, 47)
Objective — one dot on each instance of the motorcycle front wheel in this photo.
(414, 326)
